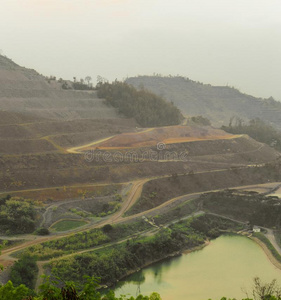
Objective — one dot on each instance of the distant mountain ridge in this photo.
(217, 103)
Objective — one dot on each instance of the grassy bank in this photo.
(269, 246)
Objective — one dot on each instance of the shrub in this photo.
(107, 228)
(42, 231)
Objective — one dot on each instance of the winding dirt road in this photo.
(135, 192)
(131, 199)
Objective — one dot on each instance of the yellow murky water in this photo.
(223, 268)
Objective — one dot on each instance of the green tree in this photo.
(24, 271)
(10, 292)
(17, 216)
(69, 291)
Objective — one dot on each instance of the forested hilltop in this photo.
(217, 103)
(147, 108)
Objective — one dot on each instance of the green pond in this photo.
(223, 268)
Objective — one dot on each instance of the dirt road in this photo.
(133, 196)
(131, 199)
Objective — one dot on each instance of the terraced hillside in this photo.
(40, 122)
(23, 134)
(38, 116)
(23, 172)
(83, 166)
(24, 90)
(217, 103)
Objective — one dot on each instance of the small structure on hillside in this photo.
(256, 229)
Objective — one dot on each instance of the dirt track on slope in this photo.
(132, 198)
(152, 136)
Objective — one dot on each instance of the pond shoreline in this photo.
(264, 247)
(184, 276)
(267, 252)
(166, 257)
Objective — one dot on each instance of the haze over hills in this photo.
(41, 122)
(217, 103)
(110, 180)
(74, 159)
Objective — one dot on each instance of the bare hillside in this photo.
(24, 90)
(20, 172)
(9, 118)
(167, 135)
(39, 121)
(217, 103)
(38, 116)
(22, 134)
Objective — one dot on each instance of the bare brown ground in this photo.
(66, 192)
(152, 136)
(194, 139)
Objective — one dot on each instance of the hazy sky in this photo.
(234, 42)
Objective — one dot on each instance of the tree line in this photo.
(69, 291)
(256, 129)
(147, 108)
(89, 291)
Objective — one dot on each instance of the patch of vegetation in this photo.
(89, 291)
(147, 108)
(256, 129)
(65, 225)
(17, 215)
(253, 207)
(277, 234)
(83, 84)
(80, 213)
(42, 231)
(107, 228)
(158, 191)
(24, 271)
(114, 262)
(4, 244)
(268, 244)
(182, 210)
(109, 208)
(201, 120)
(85, 240)
(118, 198)
(67, 291)
(212, 226)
